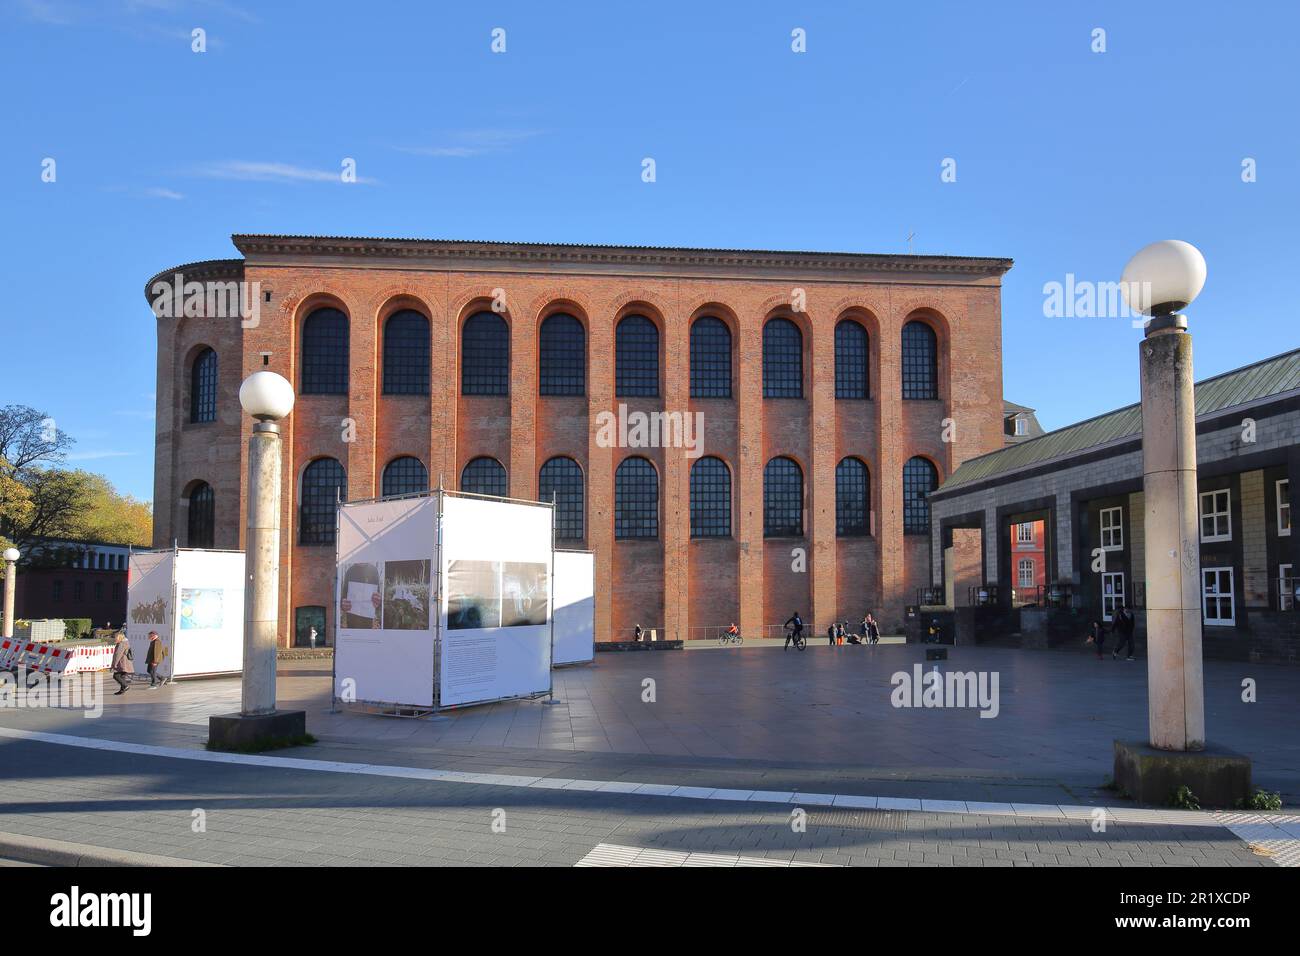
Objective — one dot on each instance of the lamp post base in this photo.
(1218, 777)
(238, 732)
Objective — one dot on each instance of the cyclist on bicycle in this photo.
(733, 631)
(793, 630)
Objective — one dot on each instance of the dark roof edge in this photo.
(362, 246)
(202, 269)
(1125, 408)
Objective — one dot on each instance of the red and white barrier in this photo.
(54, 658)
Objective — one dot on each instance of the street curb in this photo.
(46, 852)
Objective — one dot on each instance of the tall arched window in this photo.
(782, 360)
(404, 476)
(406, 354)
(920, 361)
(636, 499)
(485, 355)
(636, 358)
(919, 479)
(325, 353)
(562, 478)
(852, 499)
(324, 483)
(562, 356)
(710, 358)
(203, 387)
(710, 498)
(200, 522)
(782, 499)
(851, 360)
(484, 476)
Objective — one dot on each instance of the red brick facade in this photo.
(674, 583)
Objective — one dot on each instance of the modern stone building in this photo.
(1084, 483)
(834, 392)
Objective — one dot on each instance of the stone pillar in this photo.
(11, 579)
(262, 554)
(1175, 688)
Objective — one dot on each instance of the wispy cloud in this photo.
(96, 455)
(270, 172)
(162, 192)
(472, 142)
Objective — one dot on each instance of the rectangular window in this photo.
(99, 590)
(1217, 604)
(56, 592)
(1284, 506)
(76, 590)
(1285, 588)
(1112, 594)
(1022, 427)
(1025, 533)
(1216, 515)
(1112, 529)
(1025, 573)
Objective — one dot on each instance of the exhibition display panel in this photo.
(442, 600)
(194, 599)
(575, 607)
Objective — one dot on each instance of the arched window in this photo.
(851, 360)
(324, 483)
(710, 498)
(852, 499)
(203, 387)
(404, 476)
(782, 360)
(636, 358)
(562, 356)
(636, 499)
(406, 354)
(710, 358)
(562, 478)
(484, 476)
(919, 479)
(201, 521)
(485, 355)
(920, 361)
(782, 499)
(325, 353)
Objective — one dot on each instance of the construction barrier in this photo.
(54, 658)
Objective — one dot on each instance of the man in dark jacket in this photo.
(122, 663)
(1124, 624)
(153, 658)
(793, 630)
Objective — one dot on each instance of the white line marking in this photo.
(847, 801)
(610, 854)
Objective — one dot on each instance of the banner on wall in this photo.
(150, 604)
(194, 600)
(575, 607)
(384, 649)
(497, 602)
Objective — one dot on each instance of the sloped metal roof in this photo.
(1272, 376)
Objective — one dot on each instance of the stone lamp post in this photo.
(267, 397)
(1158, 281)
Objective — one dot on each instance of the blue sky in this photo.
(1067, 160)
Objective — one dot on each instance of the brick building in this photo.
(834, 391)
(59, 578)
(1082, 485)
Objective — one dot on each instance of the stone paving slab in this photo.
(259, 815)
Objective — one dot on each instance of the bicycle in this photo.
(800, 641)
(734, 639)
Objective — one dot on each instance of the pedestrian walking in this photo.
(1097, 636)
(152, 659)
(1124, 624)
(636, 634)
(871, 629)
(122, 668)
(830, 633)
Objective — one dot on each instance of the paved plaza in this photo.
(713, 771)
